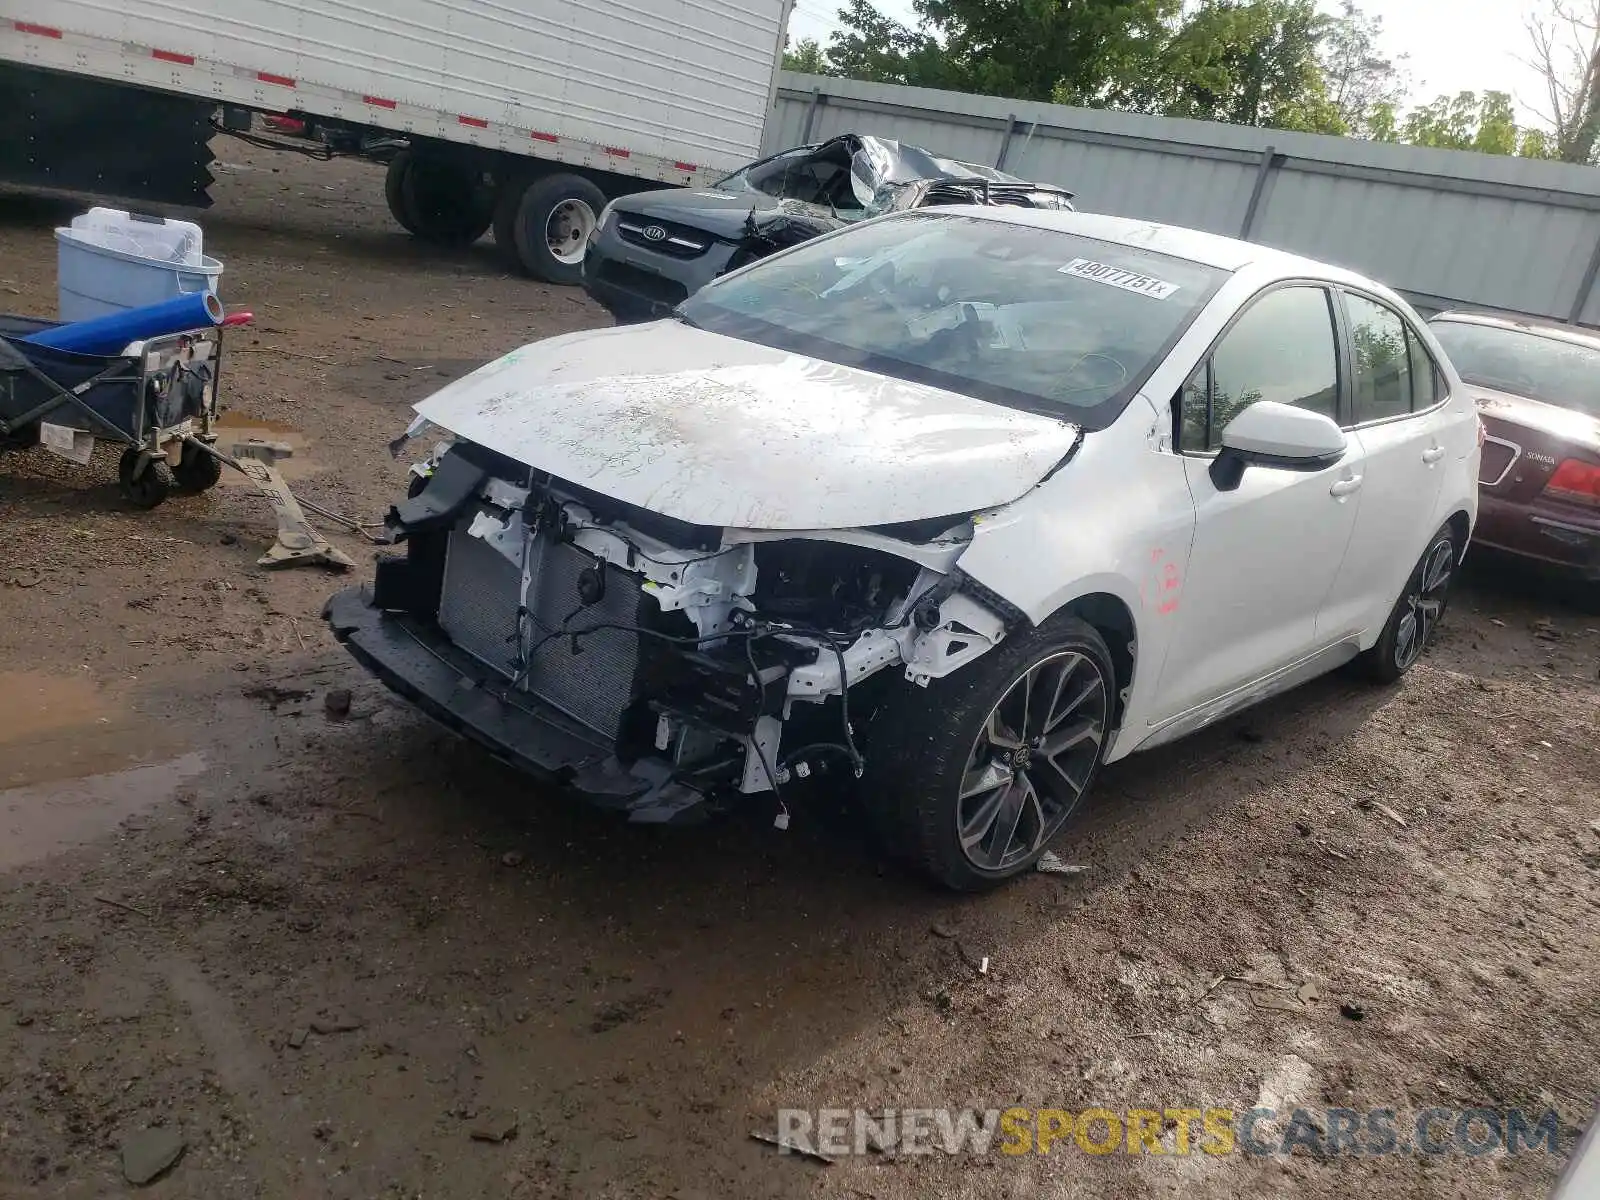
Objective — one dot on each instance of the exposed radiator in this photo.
(478, 606)
(595, 685)
(478, 609)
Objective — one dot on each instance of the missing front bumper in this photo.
(416, 661)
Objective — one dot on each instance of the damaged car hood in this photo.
(722, 214)
(715, 431)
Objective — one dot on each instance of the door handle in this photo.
(1345, 486)
(1433, 454)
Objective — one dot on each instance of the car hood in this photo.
(715, 431)
(721, 214)
(1567, 424)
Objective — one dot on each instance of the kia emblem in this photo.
(654, 233)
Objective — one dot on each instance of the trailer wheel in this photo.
(394, 191)
(144, 488)
(438, 201)
(544, 227)
(197, 471)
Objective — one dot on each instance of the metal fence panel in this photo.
(1448, 228)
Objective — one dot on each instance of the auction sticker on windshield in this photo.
(1128, 281)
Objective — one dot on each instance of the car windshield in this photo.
(1524, 362)
(1014, 314)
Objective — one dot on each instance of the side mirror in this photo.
(1268, 434)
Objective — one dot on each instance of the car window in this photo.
(1007, 312)
(1524, 362)
(765, 176)
(1194, 433)
(812, 177)
(1281, 349)
(1382, 369)
(1425, 387)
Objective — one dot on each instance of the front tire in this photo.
(438, 201)
(971, 779)
(1417, 613)
(145, 488)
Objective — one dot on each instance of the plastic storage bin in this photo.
(108, 260)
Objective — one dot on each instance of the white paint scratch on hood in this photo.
(716, 431)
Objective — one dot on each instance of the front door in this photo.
(1265, 555)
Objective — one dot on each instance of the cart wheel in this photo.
(153, 485)
(197, 471)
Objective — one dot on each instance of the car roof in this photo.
(1207, 249)
(1576, 335)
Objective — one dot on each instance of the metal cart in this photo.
(159, 400)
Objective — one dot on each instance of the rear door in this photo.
(1397, 412)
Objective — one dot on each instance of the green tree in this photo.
(1089, 52)
(1383, 122)
(1363, 84)
(1486, 123)
(870, 46)
(807, 57)
(1247, 62)
(1536, 143)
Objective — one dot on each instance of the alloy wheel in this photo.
(1032, 760)
(1424, 604)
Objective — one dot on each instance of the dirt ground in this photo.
(325, 951)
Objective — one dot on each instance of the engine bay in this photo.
(710, 662)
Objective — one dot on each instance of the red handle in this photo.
(233, 320)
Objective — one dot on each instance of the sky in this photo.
(1451, 45)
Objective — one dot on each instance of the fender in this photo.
(1064, 541)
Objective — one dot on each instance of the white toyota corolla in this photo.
(961, 503)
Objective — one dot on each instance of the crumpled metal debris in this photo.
(888, 176)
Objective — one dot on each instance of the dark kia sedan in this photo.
(1538, 392)
(653, 250)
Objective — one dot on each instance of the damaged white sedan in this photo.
(960, 503)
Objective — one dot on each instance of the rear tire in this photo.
(394, 192)
(197, 471)
(968, 781)
(1417, 613)
(534, 220)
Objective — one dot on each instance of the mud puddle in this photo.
(235, 428)
(39, 821)
(55, 727)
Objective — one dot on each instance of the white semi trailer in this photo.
(524, 116)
